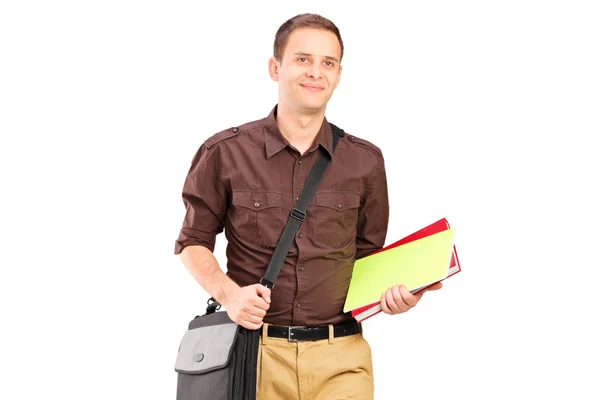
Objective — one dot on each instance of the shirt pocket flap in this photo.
(256, 200)
(339, 201)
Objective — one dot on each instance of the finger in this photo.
(389, 298)
(384, 306)
(420, 293)
(251, 326)
(407, 297)
(433, 286)
(264, 292)
(399, 299)
(259, 302)
(253, 319)
(259, 312)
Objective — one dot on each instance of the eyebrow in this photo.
(308, 54)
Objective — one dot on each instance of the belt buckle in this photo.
(290, 334)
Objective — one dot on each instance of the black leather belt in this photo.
(303, 333)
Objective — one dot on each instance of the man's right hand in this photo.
(248, 305)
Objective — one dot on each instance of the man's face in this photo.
(309, 70)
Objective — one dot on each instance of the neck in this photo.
(299, 128)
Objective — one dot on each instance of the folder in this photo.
(412, 261)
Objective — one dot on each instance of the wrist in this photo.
(226, 292)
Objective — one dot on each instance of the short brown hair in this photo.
(303, 21)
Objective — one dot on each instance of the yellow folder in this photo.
(415, 264)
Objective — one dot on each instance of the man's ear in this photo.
(274, 66)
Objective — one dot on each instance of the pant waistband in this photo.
(304, 333)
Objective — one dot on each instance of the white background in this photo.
(486, 112)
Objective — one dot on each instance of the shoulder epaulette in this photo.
(366, 144)
(217, 137)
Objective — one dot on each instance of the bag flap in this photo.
(207, 347)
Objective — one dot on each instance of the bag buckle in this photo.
(266, 283)
(297, 214)
(290, 333)
(213, 305)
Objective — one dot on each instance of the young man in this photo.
(246, 179)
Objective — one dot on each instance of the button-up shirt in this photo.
(246, 179)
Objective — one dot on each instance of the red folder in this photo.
(364, 312)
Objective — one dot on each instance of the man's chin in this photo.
(314, 107)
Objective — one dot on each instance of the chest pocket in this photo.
(336, 218)
(257, 216)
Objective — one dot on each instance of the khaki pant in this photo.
(329, 369)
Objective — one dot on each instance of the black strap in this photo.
(298, 213)
(295, 219)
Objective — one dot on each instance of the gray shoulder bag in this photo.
(217, 357)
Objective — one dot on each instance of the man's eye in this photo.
(329, 63)
(302, 59)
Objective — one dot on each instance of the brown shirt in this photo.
(245, 180)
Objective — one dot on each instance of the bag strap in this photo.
(298, 212)
(295, 219)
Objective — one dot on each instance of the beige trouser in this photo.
(328, 369)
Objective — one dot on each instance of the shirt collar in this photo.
(275, 141)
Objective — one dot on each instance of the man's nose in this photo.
(314, 71)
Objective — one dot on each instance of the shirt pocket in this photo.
(336, 218)
(257, 216)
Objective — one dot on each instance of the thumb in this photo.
(264, 292)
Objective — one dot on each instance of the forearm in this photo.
(203, 266)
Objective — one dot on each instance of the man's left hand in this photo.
(398, 299)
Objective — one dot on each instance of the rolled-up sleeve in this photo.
(373, 216)
(205, 200)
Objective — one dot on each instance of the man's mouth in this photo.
(312, 88)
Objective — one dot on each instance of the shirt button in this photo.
(298, 305)
(300, 162)
(300, 235)
(235, 130)
(297, 198)
(301, 268)
(339, 205)
(256, 204)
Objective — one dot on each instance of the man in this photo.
(246, 179)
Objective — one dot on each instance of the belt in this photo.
(303, 333)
